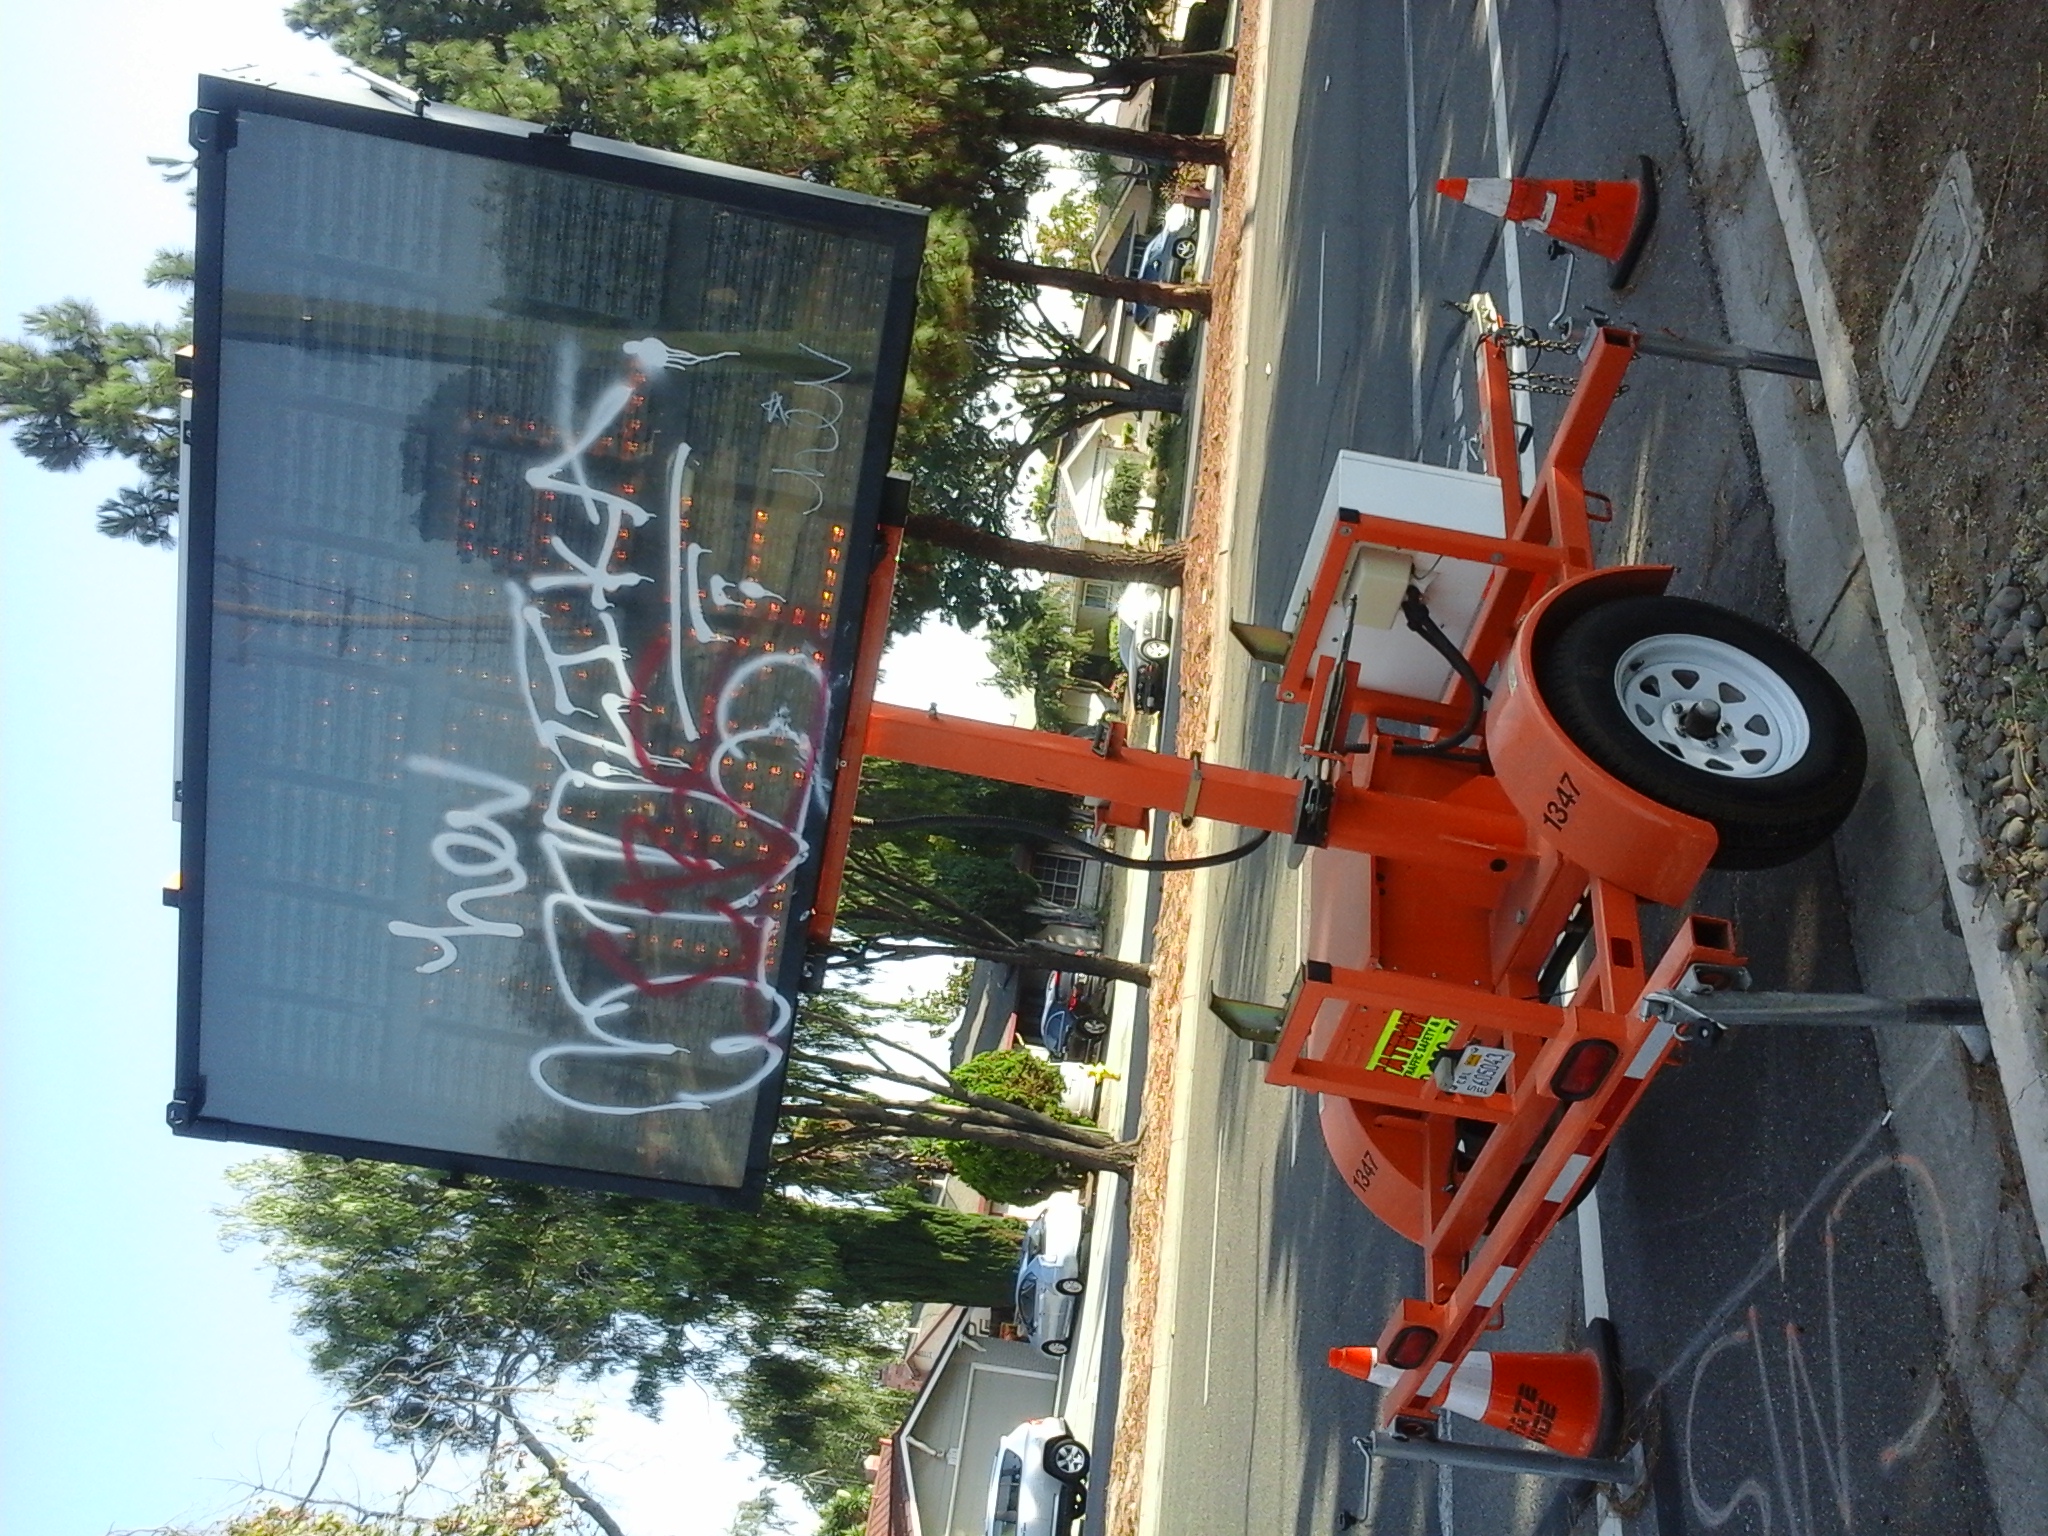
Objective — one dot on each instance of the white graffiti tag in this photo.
(475, 847)
(823, 422)
(676, 810)
(686, 768)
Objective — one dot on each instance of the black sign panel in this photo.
(533, 491)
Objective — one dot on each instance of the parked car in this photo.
(1165, 256)
(1075, 1022)
(1036, 1487)
(1049, 1275)
(1144, 641)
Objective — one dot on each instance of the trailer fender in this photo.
(1589, 816)
(1379, 1156)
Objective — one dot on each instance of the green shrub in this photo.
(1120, 499)
(1007, 1175)
(1016, 1076)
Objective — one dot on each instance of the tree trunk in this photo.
(1108, 139)
(1154, 567)
(1129, 399)
(913, 1119)
(1082, 963)
(1151, 66)
(1193, 297)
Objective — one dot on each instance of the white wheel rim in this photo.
(1712, 706)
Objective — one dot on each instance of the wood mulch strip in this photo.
(1221, 367)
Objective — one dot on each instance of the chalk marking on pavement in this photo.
(1215, 1218)
(1416, 322)
(1817, 1422)
(1510, 246)
(1709, 1331)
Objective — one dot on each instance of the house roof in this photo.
(889, 1508)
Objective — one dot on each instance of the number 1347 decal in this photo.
(1562, 799)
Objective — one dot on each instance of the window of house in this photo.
(1096, 594)
(1059, 877)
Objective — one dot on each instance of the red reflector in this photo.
(1584, 1069)
(1411, 1347)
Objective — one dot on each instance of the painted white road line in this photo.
(1215, 1218)
(1593, 1282)
(1322, 267)
(1592, 1257)
(1418, 326)
(1510, 239)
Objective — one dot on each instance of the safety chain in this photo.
(1543, 383)
(1528, 336)
(1530, 381)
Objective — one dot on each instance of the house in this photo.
(932, 1475)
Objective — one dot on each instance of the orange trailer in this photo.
(1505, 752)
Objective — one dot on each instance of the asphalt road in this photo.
(1773, 1306)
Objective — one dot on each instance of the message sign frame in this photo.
(896, 227)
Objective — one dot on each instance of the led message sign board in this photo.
(533, 488)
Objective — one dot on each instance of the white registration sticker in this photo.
(1480, 1069)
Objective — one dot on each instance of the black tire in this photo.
(1066, 1459)
(1184, 248)
(1094, 1027)
(1762, 821)
(1069, 1285)
(1055, 1347)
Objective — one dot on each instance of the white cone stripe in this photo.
(1435, 1378)
(1488, 194)
(1472, 1388)
(1567, 1177)
(1542, 220)
(1383, 1375)
(1652, 1048)
(1497, 1287)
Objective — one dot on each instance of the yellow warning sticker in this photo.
(1408, 1044)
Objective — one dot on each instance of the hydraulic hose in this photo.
(1416, 612)
(1042, 833)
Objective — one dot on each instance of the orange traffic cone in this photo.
(1609, 218)
(1555, 1400)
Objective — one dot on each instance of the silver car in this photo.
(1049, 1274)
(1144, 645)
(1036, 1486)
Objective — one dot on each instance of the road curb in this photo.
(2009, 1013)
(1190, 1003)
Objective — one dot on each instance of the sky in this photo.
(149, 1376)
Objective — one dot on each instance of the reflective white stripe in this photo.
(1383, 1376)
(1497, 1287)
(1472, 1388)
(1567, 1177)
(1489, 194)
(1653, 1048)
(1435, 1378)
(1549, 208)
